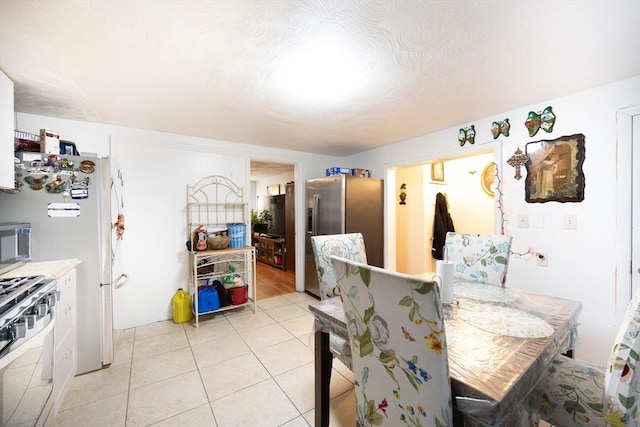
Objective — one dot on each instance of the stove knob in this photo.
(41, 309)
(20, 329)
(6, 334)
(31, 320)
(51, 299)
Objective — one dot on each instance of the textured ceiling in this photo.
(263, 170)
(225, 69)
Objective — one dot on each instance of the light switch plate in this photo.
(523, 221)
(570, 222)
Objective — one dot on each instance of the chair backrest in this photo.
(349, 246)
(479, 258)
(398, 346)
(622, 377)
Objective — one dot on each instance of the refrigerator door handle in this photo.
(314, 215)
(120, 281)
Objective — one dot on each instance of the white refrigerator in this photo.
(72, 203)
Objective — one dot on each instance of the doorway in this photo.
(628, 208)
(273, 190)
(470, 202)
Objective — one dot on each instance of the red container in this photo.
(238, 294)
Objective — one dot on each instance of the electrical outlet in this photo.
(542, 259)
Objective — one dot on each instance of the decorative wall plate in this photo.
(467, 134)
(487, 177)
(541, 120)
(498, 128)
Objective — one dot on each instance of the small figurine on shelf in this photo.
(201, 239)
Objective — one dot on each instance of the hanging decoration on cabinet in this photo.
(517, 161)
(467, 134)
(403, 194)
(554, 170)
(119, 226)
(498, 128)
(541, 120)
(36, 183)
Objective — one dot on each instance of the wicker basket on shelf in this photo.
(218, 241)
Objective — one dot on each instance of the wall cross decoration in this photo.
(517, 161)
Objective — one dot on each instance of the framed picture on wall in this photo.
(554, 170)
(437, 172)
(273, 189)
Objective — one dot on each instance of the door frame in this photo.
(391, 189)
(625, 207)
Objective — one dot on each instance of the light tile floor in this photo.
(237, 369)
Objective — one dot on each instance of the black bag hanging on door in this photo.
(223, 295)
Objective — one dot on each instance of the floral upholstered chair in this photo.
(398, 345)
(349, 246)
(479, 258)
(575, 393)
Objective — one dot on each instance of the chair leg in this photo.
(323, 364)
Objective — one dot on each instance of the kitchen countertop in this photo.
(51, 269)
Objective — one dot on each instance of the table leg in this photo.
(323, 362)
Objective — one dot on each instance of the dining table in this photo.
(499, 341)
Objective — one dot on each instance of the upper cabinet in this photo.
(7, 171)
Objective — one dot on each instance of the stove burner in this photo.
(17, 289)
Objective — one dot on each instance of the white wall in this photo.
(157, 168)
(582, 262)
(411, 222)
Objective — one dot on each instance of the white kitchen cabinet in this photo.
(213, 202)
(65, 355)
(7, 171)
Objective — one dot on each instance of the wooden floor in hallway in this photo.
(272, 281)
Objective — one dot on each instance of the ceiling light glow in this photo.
(319, 74)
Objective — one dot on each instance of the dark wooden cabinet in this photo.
(270, 251)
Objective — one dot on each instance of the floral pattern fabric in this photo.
(348, 246)
(398, 346)
(479, 258)
(622, 380)
(574, 393)
(571, 393)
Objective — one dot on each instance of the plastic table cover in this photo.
(492, 375)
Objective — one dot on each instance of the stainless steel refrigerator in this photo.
(72, 203)
(344, 204)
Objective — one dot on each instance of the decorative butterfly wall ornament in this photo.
(498, 128)
(541, 120)
(467, 134)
